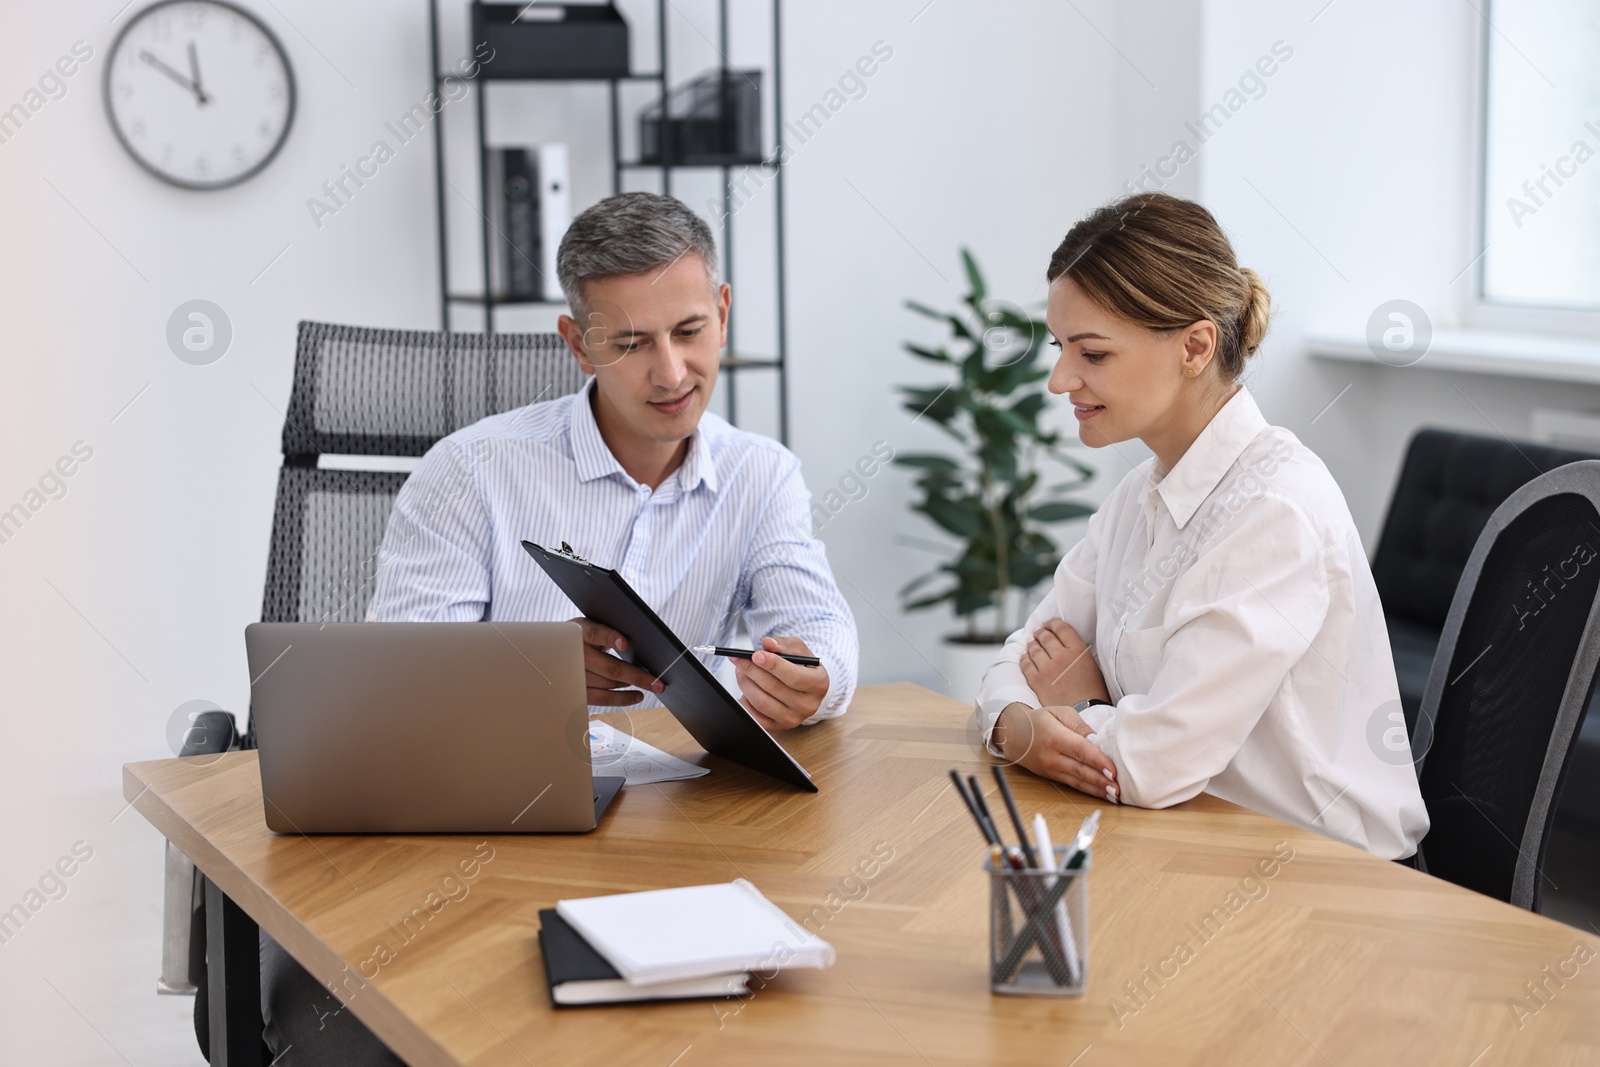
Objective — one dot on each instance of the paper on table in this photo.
(614, 751)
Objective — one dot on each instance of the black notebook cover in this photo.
(694, 696)
(568, 958)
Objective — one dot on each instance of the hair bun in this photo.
(1255, 317)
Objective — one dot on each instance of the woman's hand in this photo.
(1060, 668)
(1051, 742)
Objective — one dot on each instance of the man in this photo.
(710, 524)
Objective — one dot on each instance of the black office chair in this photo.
(1449, 485)
(357, 391)
(1508, 689)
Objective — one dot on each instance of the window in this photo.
(1541, 162)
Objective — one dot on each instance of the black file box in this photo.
(555, 41)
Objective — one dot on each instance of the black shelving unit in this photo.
(732, 361)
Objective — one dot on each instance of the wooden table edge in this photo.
(375, 1010)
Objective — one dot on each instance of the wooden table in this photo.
(1336, 958)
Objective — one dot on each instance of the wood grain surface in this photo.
(1217, 935)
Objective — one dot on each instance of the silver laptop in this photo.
(412, 727)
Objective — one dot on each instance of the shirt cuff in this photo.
(1102, 720)
(1099, 717)
(989, 707)
(838, 695)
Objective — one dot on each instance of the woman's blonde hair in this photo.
(1162, 262)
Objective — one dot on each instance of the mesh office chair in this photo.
(366, 392)
(357, 391)
(1507, 691)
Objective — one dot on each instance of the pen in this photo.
(1069, 943)
(746, 653)
(1081, 843)
(983, 810)
(983, 827)
(1016, 817)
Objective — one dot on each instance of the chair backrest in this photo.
(1513, 675)
(369, 392)
(1450, 483)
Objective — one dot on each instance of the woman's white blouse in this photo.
(1231, 609)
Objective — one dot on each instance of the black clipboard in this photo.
(692, 694)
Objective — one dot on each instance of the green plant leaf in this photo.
(974, 275)
(1001, 461)
(917, 583)
(954, 516)
(1059, 511)
(926, 460)
(1016, 423)
(930, 601)
(1025, 574)
(940, 405)
(923, 309)
(1024, 485)
(969, 600)
(937, 356)
(1029, 407)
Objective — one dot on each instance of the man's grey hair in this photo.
(631, 233)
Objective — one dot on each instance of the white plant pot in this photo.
(963, 664)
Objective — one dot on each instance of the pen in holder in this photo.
(1038, 927)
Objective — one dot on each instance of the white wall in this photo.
(990, 126)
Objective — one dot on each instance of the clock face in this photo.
(199, 92)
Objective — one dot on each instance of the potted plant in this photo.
(987, 495)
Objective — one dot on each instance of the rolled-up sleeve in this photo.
(790, 591)
(1237, 622)
(1072, 599)
(433, 565)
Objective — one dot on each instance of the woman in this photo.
(1217, 629)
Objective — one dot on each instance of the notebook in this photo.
(666, 935)
(580, 975)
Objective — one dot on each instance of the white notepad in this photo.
(669, 934)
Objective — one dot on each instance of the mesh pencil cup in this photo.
(1039, 928)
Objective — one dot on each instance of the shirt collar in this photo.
(595, 460)
(1212, 454)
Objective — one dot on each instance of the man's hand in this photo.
(1051, 743)
(1060, 668)
(781, 695)
(604, 675)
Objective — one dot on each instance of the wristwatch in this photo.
(1084, 705)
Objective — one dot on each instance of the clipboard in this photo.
(692, 694)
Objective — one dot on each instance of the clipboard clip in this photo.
(566, 550)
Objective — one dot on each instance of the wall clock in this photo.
(199, 92)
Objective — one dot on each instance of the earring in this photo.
(1191, 372)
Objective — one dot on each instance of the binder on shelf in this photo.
(530, 208)
(555, 211)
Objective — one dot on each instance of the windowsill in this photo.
(1513, 355)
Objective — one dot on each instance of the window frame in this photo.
(1480, 311)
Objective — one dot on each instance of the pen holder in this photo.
(1039, 929)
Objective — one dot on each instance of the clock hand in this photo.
(168, 71)
(200, 95)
